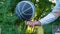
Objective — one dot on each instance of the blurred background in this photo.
(11, 24)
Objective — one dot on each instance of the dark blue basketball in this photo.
(25, 10)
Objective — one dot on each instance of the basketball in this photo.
(25, 10)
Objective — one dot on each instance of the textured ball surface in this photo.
(25, 10)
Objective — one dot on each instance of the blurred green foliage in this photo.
(11, 24)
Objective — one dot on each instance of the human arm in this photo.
(52, 16)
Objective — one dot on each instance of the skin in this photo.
(38, 23)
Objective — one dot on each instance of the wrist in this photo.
(37, 23)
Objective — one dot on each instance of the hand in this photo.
(33, 23)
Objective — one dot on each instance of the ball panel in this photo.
(26, 6)
(29, 12)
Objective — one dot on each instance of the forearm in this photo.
(51, 16)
